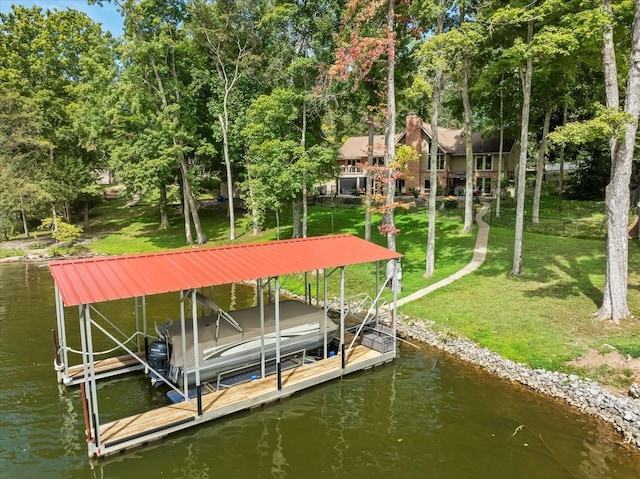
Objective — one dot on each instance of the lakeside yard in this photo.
(543, 319)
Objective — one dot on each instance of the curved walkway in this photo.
(479, 254)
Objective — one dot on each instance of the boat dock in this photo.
(130, 432)
(352, 344)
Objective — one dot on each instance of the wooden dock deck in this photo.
(105, 368)
(142, 428)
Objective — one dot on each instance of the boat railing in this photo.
(208, 303)
(248, 367)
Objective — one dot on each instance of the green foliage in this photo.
(62, 232)
(605, 123)
(590, 178)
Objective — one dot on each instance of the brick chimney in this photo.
(413, 138)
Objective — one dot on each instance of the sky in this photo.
(107, 15)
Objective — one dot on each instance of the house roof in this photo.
(450, 141)
(355, 147)
(108, 278)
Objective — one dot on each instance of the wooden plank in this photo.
(212, 402)
(106, 365)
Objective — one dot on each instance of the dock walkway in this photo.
(141, 428)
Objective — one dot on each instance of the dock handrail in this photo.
(367, 317)
(353, 303)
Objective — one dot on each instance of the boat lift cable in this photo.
(97, 353)
(107, 320)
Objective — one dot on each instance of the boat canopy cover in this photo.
(92, 280)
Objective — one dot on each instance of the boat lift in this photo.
(85, 282)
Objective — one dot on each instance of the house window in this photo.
(483, 162)
(484, 186)
(439, 164)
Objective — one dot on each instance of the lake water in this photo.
(424, 415)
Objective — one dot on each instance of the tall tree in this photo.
(230, 32)
(617, 200)
(433, 57)
(156, 55)
(48, 58)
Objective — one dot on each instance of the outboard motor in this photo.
(159, 353)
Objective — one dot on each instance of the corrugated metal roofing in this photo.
(108, 278)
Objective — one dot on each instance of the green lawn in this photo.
(542, 318)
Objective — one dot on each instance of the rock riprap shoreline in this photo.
(587, 396)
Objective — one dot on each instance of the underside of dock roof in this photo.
(98, 279)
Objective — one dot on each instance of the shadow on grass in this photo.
(562, 268)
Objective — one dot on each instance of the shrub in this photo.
(64, 234)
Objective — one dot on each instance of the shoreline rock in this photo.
(586, 396)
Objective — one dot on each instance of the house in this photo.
(451, 161)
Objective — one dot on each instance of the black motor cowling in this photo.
(159, 353)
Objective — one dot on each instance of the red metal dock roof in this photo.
(93, 280)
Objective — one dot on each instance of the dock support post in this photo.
(326, 311)
(395, 305)
(261, 306)
(377, 289)
(307, 287)
(144, 325)
(277, 315)
(92, 376)
(63, 375)
(196, 347)
(342, 315)
(136, 306)
(185, 379)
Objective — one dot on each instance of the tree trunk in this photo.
(227, 162)
(25, 226)
(430, 265)
(277, 225)
(468, 131)
(186, 215)
(391, 141)
(561, 169)
(303, 142)
(193, 206)
(85, 214)
(295, 212)
(255, 212)
(433, 178)
(369, 192)
(522, 163)
(617, 199)
(54, 217)
(305, 206)
(164, 217)
(66, 211)
(500, 153)
(535, 219)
